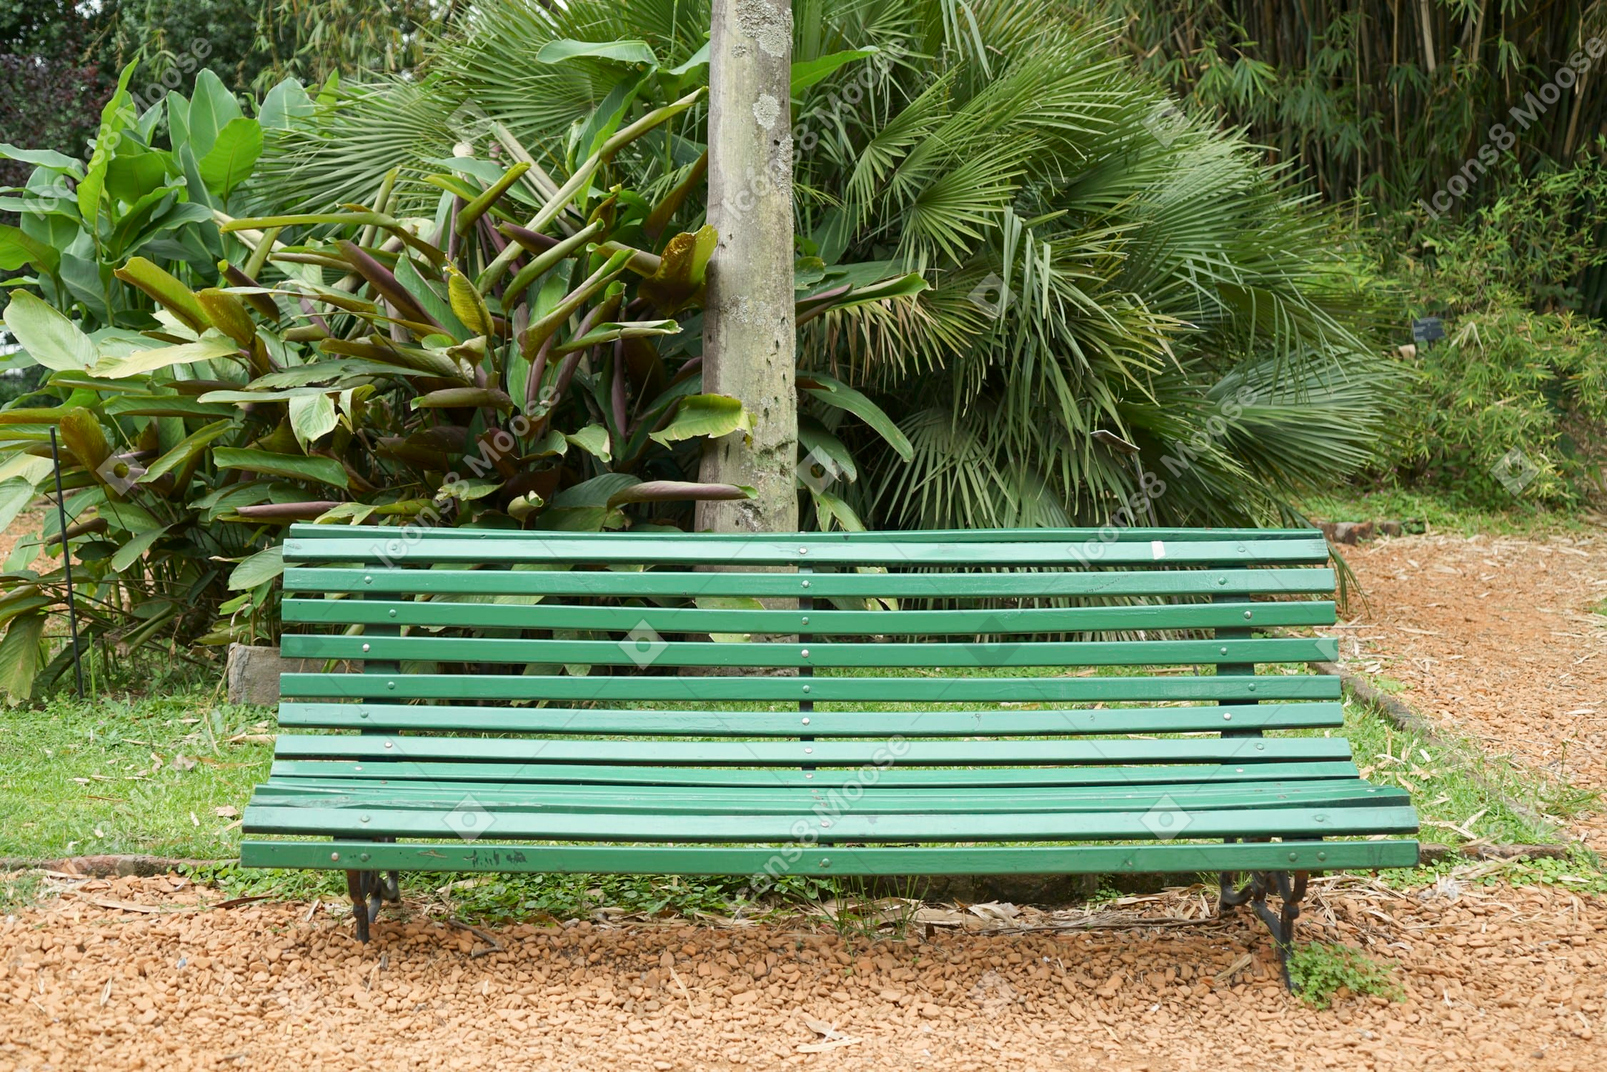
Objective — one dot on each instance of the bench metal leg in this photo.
(1291, 887)
(368, 890)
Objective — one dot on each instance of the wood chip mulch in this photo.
(151, 973)
(1496, 638)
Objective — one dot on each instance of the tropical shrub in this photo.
(1097, 263)
(1514, 401)
(365, 366)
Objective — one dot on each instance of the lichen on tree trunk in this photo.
(749, 334)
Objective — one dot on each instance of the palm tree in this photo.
(1097, 261)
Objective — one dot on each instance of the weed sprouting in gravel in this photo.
(1324, 972)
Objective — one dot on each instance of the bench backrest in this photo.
(1024, 637)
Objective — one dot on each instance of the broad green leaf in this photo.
(113, 117)
(19, 656)
(468, 490)
(232, 157)
(430, 300)
(700, 58)
(82, 434)
(49, 337)
(678, 491)
(47, 158)
(209, 348)
(618, 51)
(212, 107)
(260, 568)
(593, 439)
(682, 269)
(185, 449)
(166, 289)
(132, 551)
(15, 494)
(467, 304)
(806, 73)
(312, 417)
(455, 397)
(705, 415)
(819, 448)
(285, 104)
(839, 395)
(27, 466)
(316, 468)
(18, 249)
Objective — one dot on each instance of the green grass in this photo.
(142, 774)
(1323, 972)
(1460, 794)
(1444, 511)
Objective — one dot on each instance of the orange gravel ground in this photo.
(140, 973)
(1496, 638)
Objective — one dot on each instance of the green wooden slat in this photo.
(820, 723)
(847, 585)
(446, 796)
(819, 689)
(1177, 857)
(1017, 778)
(812, 622)
(393, 821)
(310, 530)
(380, 747)
(568, 548)
(658, 652)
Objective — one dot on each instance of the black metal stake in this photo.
(67, 563)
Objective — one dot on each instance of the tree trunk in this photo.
(749, 329)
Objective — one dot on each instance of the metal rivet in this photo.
(368, 580)
(358, 767)
(808, 775)
(809, 751)
(824, 823)
(365, 647)
(1238, 770)
(362, 714)
(1128, 863)
(804, 653)
(1241, 547)
(390, 684)
(363, 857)
(393, 614)
(362, 818)
(1224, 651)
(806, 584)
(334, 856)
(1319, 817)
(806, 621)
(806, 722)
(1227, 716)
(1261, 748)
(1322, 856)
(806, 688)
(825, 862)
(1252, 688)
(387, 744)
(1293, 856)
(803, 550)
(1221, 580)
(1247, 615)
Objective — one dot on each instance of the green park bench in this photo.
(1048, 701)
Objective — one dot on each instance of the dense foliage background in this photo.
(1115, 261)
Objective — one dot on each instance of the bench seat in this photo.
(1041, 701)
